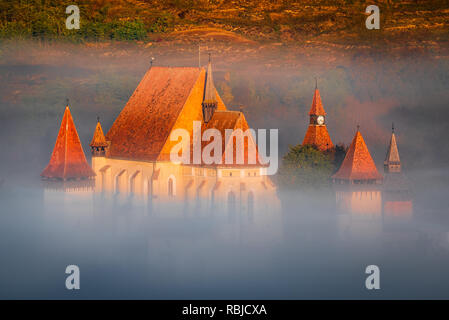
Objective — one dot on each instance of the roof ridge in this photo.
(228, 111)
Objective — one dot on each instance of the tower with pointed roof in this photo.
(210, 102)
(358, 166)
(397, 197)
(392, 161)
(357, 181)
(98, 144)
(317, 134)
(67, 161)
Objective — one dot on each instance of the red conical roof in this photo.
(358, 164)
(318, 136)
(98, 140)
(67, 160)
(317, 106)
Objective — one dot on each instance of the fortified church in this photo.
(131, 162)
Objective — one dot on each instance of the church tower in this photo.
(317, 134)
(357, 181)
(67, 161)
(392, 161)
(397, 198)
(210, 102)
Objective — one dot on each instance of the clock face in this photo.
(320, 120)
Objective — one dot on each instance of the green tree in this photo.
(306, 167)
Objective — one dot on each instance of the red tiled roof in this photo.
(165, 99)
(358, 164)
(67, 160)
(143, 126)
(317, 106)
(318, 136)
(98, 140)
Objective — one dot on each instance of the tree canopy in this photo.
(306, 167)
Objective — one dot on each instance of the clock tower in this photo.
(317, 133)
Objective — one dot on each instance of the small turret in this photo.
(98, 144)
(392, 161)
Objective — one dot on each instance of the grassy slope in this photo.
(336, 21)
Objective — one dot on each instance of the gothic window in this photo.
(198, 200)
(117, 184)
(171, 186)
(132, 185)
(231, 206)
(103, 181)
(212, 201)
(120, 185)
(250, 206)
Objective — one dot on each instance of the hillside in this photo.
(340, 23)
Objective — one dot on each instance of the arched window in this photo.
(250, 206)
(171, 186)
(149, 189)
(103, 181)
(231, 206)
(119, 185)
(148, 192)
(132, 185)
(198, 199)
(212, 201)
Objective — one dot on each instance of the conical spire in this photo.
(317, 134)
(209, 90)
(317, 106)
(210, 98)
(358, 164)
(98, 140)
(392, 161)
(67, 160)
